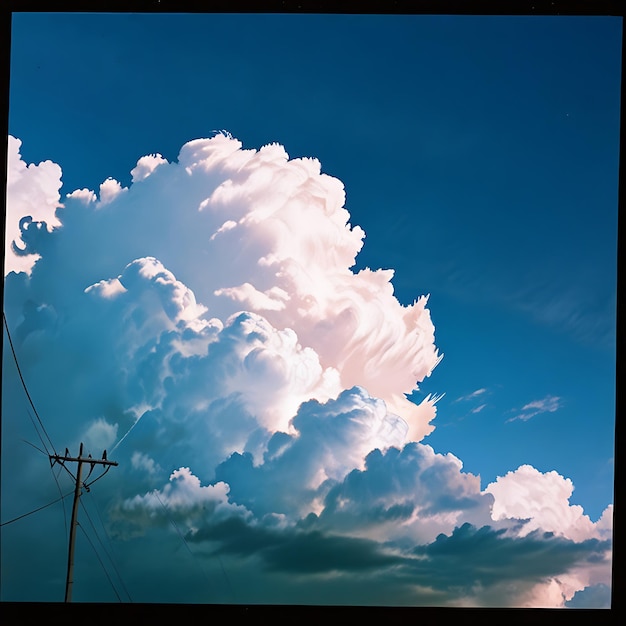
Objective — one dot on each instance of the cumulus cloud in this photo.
(182, 500)
(144, 462)
(86, 196)
(109, 190)
(543, 499)
(282, 226)
(411, 495)
(32, 201)
(99, 435)
(145, 166)
(206, 325)
(329, 440)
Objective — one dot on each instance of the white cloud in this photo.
(182, 500)
(32, 192)
(98, 436)
(144, 463)
(471, 396)
(543, 499)
(549, 404)
(273, 299)
(107, 288)
(86, 196)
(289, 258)
(109, 190)
(209, 314)
(145, 166)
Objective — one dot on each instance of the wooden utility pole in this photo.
(81, 460)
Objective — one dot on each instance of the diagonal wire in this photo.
(34, 446)
(101, 563)
(173, 523)
(56, 478)
(32, 404)
(19, 371)
(95, 502)
(102, 544)
(45, 506)
(180, 534)
(43, 443)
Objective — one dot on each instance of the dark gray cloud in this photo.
(297, 551)
(485, 556)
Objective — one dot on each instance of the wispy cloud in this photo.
(471, 396)
(478, 409)
(567, 303)
(549, 404)
(580, 303)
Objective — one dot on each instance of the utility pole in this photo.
(81, 460)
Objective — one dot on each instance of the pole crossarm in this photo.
(82, 459)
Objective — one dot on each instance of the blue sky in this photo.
(478, 154)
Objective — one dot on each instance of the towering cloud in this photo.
(205, 325)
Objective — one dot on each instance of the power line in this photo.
(34, 446)
(56, 478)
(173, 523)
(103, 547)
(56, 458)
(193, 554)
(43, 443)
(101, 563)
(15, 519)
(19, 371)
(95, 502)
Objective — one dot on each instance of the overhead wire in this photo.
(103, 546)
(43, 443)
(95, 502)
(101, 563)
(41, 424)
(43, 428)
(39, 430)
(182, 537)
(34, 446)
(173, 523)
(19, 371)
(56, 480)
(45, 506)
